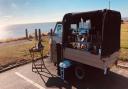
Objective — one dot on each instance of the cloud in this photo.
(7, 16)
(0, 13)
(27, 3)
(13, 5)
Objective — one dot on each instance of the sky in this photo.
(36, 11)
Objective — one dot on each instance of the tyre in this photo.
(79, 72)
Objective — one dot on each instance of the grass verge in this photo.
(19, 50)
(124, 42)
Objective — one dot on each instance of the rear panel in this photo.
(111, 33)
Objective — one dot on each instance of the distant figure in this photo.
(50, 42)
(52, 49)
(50, 39)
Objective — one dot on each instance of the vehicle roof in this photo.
(79, 14)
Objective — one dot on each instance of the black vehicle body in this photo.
(104, 34)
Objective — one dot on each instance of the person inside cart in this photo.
(83, 42)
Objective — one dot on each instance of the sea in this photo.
(18, 31)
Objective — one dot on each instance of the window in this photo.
(58, 30)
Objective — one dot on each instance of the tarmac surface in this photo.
(23, 78)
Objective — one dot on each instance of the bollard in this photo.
(39, 34)
(26, 31)
(36, 36)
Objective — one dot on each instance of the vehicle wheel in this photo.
(79, 72)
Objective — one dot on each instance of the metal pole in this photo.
(109, 4)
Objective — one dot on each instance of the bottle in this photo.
(100, 50)
(81, 27)
(88, 25)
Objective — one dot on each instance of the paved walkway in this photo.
(23, 78)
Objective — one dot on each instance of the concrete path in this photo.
(23, 78)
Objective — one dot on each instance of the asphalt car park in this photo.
(23, 78)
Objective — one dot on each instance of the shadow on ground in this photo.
(94, 80)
